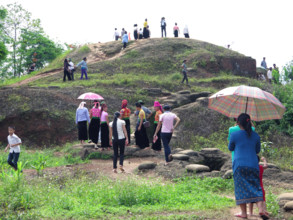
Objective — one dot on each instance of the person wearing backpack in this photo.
(163, 26)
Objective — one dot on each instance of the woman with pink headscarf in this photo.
(157, 144)
(94, 128)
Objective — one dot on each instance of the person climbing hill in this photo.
(124, 40)
(84, 68)
(184, 72)
(157, 144)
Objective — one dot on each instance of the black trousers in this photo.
(157, 146)
(13, 159)
(82, 130)
(66, 73)
(145, 34)
(176, 33)
(127, 126)
(163, 29)
(72, 74)
(105, 135)
(135, 34)
(140, 36)
(186, 35)
(185, 77)
(118, 144)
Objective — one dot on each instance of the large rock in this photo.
(189, 152)
(286, 196)
(288, 206)
(228, 174)
(214, 158)
(177, 150)
(145, 153)
(180, 157)
(147, 166)
(197, 168)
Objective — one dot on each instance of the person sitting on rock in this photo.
(166, 122)
(261, 170)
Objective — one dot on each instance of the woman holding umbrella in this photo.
(104, 127)
(82, 116)
(246, 145)
(94, 128)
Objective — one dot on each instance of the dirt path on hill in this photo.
(96, 55)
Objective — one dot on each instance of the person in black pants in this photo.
(163, 26)
(66, 70)
(184, 72)
(118, 139)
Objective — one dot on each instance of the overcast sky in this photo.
(256, 28)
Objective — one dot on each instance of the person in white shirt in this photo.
(118, 138)
(270, 74)
(71, 68)
(186, 32)
(116, 34)
(14, 143)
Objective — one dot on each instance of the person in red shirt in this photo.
(125, 115)
(261, 170)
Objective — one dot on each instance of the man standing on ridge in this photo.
(264, 63)
(163, 26)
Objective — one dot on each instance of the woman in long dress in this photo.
(94, 128)
(157, 144)
(125, 115)
(81, 119)
(104, 128)
(141, 137)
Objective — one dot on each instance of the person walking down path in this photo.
(262, 168)
(94, 128)
(14, 143)
(135, 32)
(184, 72)
(84, 68)
(104, 128)
(118, 139)
(116, 35)
(186, 32)
(264, 63)
(163, 26)
(81, 119)
(246, 145)
(66, 70)
(141, 137)
(140, 34)
(125, 40)
(270, 75)
(145, 26)
(157, 144)
(122, 33)
(125, 115)
(71, 68)
(176, 30)
(166, 122)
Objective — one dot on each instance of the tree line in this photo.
(23, 42)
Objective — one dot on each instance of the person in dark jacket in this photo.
(163, 26)
(66, 70)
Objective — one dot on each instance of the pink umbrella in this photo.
(90, 96)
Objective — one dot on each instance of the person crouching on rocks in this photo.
(118, 139)
(166, 122)
(157, 144)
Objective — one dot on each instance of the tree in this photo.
(17, 20)
(37, 48)
(3, 49)
(26, 41)
(288, 72)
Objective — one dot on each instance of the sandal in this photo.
(122, 170)
(240, 216)
(264, 216)
(115, 171)
(170, 157)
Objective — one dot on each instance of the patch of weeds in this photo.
(98, 155)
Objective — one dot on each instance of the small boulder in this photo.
(184, 92)
(180, 157)
(288, 206)
(286, 196)
(283, 202)
(189, 152)
(176, 150)
(228, 174)
(197, 168)
(129, 151)
(147, 166)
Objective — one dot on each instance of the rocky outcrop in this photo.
(147, 166)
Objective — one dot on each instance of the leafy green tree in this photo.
(288, 72)
(276, 76)
(3, 49)
(27, 42)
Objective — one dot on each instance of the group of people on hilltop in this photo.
(116, 134)
(69, 69)
(145, 33)
(272, 72)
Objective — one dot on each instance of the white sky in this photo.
(256, 28)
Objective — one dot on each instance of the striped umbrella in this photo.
(260, 105)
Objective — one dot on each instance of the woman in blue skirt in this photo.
(246, 145)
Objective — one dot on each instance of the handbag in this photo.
(146, 124)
